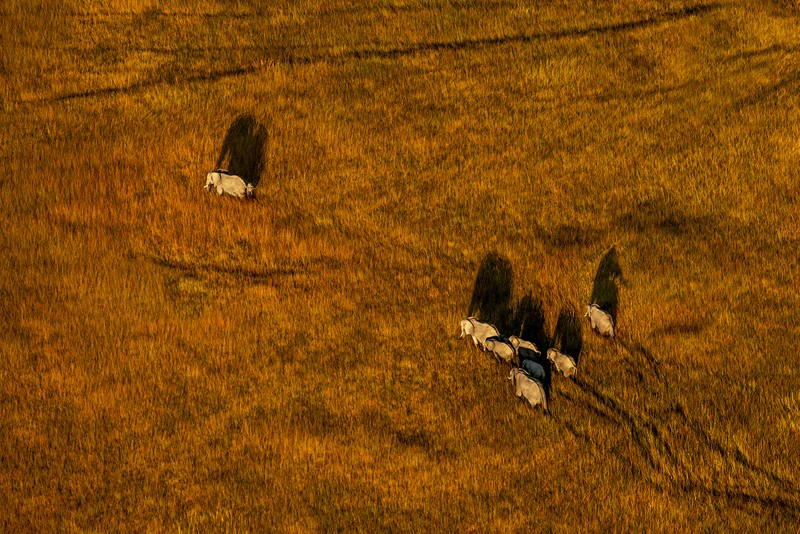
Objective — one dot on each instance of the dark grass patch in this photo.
(650, 215)
(567, 235)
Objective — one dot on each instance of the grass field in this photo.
(175, 361)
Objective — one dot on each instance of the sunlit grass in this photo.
(175, 360)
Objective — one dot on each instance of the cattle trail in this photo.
(660, 437)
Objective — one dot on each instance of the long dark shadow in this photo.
(491, 295)
(568, 335)
(529, 322)
(605, 292)
(242, 151)
(396, 52)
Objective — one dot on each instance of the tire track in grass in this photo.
(388, 53)
(662, 454)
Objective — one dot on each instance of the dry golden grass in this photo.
(170, 360)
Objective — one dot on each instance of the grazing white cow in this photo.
(228, 183)
(525, 386)
(519, 342)
(502, 349)
(563, 362)
(601, 320)
(477, 330)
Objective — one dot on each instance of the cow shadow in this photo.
(528, 322)
(242, 150)
(605, 291)
(491, 295)
(568, 335)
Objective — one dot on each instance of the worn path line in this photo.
(396, 52)
(660, 452)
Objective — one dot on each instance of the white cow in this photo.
(530, 389)
(228, 183)
(478, 331)
(502, 349)
(519, 342)
(562, 362)
(601, 321)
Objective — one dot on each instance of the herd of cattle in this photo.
(527, 375)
